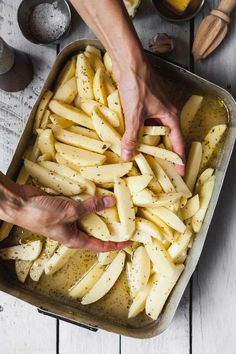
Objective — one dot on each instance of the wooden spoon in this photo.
(212, 30)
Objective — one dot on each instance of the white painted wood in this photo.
(213, 304)
(23, 330)
(75, 340)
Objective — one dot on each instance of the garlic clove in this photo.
(161, 43)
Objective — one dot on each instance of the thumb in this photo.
(130, 141)
(95, 204)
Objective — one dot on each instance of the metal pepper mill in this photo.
(16, 69)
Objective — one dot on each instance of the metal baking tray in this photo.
(52, 306)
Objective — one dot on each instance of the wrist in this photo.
(11, 203)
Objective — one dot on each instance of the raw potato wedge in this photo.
(66, 92)
(61, 122)
(160, 258)
(61, 160)
(109, 84)
(59, 259)
(165, 230)
(99, 88)
(210, 143)
(67, 172)
(114, 104)
(85, 76)
(95, 226)
(113, 158)
(140, 270)
(79, 156)
(150, 140)
(147, 199)
(193, 165)
(83, 131)
(67, 72)
(155, 130)
(203, 178)
(167, 142)
(160, 153)
(145, 169)
(37, 268)
(177, 181)
(205, 198)
(191, 207)
(111, 214)
(160, 291)
(106, 258)
(71, 113)
(106, 281)
(106, 132)
(45, 119)
(26, 252)
(95, 61)
(93, 50)
(170, 218)
(50, 179)
(22, 269)
(138, 183)
(107, 62)
(188, 113)
(46, 142)
(180, 245)
(141, 237)
(80, 141)
(106, 173)
(161, 176)
(41, 109)
(88, 280)
(124, 206)
(138, 304)
(147, 227)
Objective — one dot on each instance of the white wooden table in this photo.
(205, 322)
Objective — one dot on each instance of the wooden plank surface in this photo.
(22, 329)
(213, 303)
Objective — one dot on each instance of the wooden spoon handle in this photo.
(227, 6)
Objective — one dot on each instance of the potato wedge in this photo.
(138, 183)
(50, 179)
(107, 62)
(85, 77)
(145, 169)
(93, 50)
(37, 268)
(59, 259)
(71, 113)
(114, 104)
(138, 304)
(163, 179)
(61, 122)
(141, 237)
(106, 173)
(22, 269)
(124, 206)
(94, 61)
(140, 270)
(149, 140)
(203, 178)
(80, 141)
(95, 226)
(87, 281)
(106, 258)
(170, 218)
(155, 130)
(210, 142)
(106, 132)
(106, 281)
(113, 158)
(67, 72)
(160, 258)
(177, 181)
(109, 84)
(43, 104)
(147, 227)
(188, 113)
(45, 120)
(60, 159)
(191, 207)
(99, 88)
(89, 187)
(79, 156)
(111, 214)
(26, 252)
(160, 291)
(67, 92)
(46, 142)
(147, 199)
(205, 195)
(180, 245)
(160, 153)
(165, 230)
(83, 131)
(193, 165)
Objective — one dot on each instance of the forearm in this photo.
(10, 199)
(109, 20)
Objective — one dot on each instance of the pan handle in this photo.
(164, 59)
(45, 312)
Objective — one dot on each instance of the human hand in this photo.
(58, 218)
(143, 98)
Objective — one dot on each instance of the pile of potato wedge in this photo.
(78, 128)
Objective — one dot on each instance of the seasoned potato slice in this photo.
(26, 252)
(85, 76)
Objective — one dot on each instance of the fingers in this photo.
(93, 205)
(130, 138)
